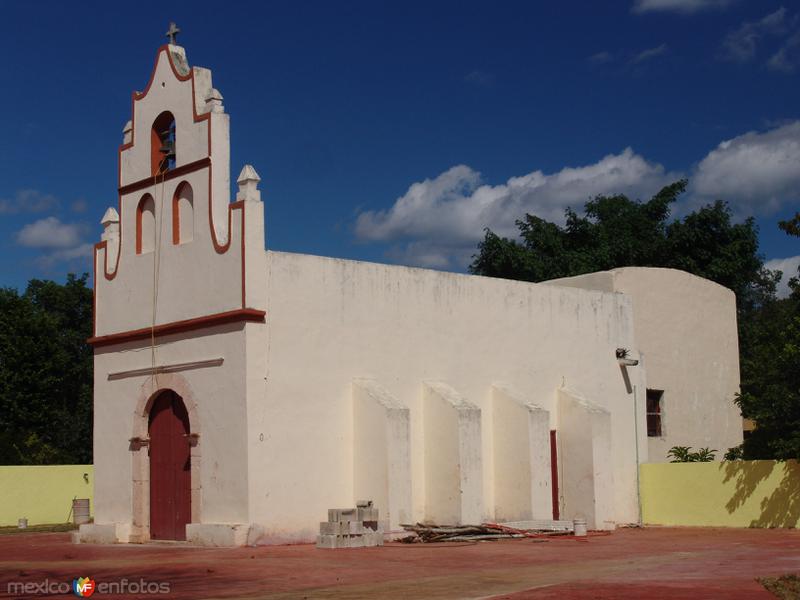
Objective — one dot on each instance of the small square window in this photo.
(655, 402)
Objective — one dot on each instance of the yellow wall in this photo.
(743, 493)
(43, 494)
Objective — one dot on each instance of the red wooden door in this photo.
(170, 468)
(554, 472)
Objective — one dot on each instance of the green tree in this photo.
(46, 373)
(616, 231)
(770, 367)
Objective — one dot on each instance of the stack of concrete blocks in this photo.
(351, 527)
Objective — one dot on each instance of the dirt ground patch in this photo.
(630, 563)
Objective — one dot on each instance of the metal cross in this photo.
(172, 33)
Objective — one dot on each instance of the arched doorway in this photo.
(170, 468)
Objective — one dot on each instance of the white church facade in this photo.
(240, 393)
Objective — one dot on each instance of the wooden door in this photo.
(170, 468)
(554, 473)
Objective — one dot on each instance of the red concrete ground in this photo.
(630, 563)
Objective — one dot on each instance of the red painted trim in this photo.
(176, 210)
(139, 215)
(149, 182)
(97, 246)
(176, 215)
(554, 473)
(240, 206)
(231, 316)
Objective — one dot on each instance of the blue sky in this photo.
(396, 132)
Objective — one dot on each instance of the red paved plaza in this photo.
(630, 563)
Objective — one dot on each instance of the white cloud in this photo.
(755, 172)
(679, 6)
(50, 232)
(741, 44)
(789, 267)
(79, 254)
(787, 58)
(30, 201)
(648, 54)
(79, 206)
(82, 251)
(431, 255)
(601, 58)
(439, 221)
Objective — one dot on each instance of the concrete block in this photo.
(333, 541)
(355, 541)
(342, 514)
(374, 538)
(355, 528)
(327, 541)
(332, 528)
(367, 513)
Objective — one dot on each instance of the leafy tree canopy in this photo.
(46, 373)
(770, 367)
(616, 231)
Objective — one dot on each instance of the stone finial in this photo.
(248, 184)
(214, 101)
(110, 223)
(127, 133)
(110, 216)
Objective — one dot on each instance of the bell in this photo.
(168, 148)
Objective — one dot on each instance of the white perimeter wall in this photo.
(332, 321)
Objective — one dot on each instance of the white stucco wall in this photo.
(686, 333)
(584, 444)
(330, 321)
(381, 453)
(522, 475)
(219, 392)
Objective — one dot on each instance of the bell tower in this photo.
(177, 252)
